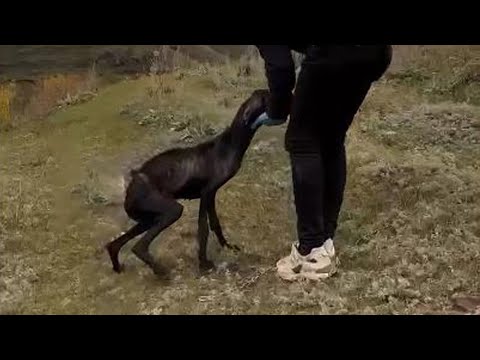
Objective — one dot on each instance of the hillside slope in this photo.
(409, 239)
(28, 61)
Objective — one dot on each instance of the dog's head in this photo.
(252, 108)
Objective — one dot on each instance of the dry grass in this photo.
(44, 96)
(162, 62)
(7, 94)
(443, 73)
(409, 239)
(54, 91)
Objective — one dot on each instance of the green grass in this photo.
(409, 238)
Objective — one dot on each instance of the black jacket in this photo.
(280, 68)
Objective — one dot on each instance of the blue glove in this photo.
(265, 120)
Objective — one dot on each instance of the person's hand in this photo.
(264, 119)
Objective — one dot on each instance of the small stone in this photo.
(402, 282)
(413, 294)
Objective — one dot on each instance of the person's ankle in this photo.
(306, 249)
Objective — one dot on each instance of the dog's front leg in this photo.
(203, 232)
(215, 223)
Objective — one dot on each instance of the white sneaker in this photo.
(320, 264)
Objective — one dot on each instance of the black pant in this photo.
(331, 87)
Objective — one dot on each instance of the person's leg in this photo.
(308, 189)
(326, 101)
(349, 92)
(307, 163)
(303, 144)
(334, 153)
(327, 97)
(335, 181)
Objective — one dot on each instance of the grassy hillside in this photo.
(409, 239)
(28, 61)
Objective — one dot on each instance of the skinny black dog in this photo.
(186, 173)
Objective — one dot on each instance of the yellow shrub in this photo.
(6, 96)
(52, 89)
(43, 95)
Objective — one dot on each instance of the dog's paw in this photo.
(118, 268)
(206, 266)
(113, 254)
(234, 248)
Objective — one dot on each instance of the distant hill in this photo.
(27, 61)
(231, 50)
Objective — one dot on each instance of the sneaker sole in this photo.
(302, 275)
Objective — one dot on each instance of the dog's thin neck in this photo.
(236, 140)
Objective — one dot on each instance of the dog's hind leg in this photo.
(215, 223)
(116, 245)
(164, 211)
